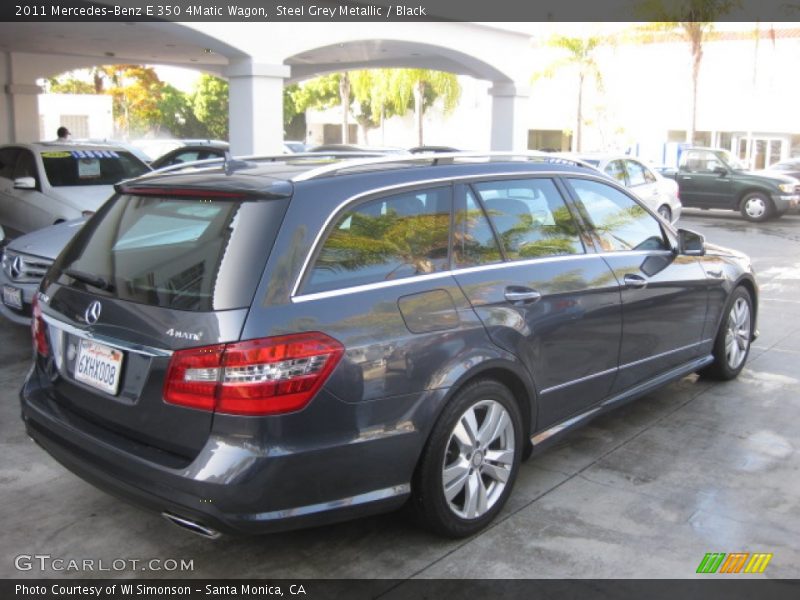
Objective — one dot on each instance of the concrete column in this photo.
(6, 122)
(509, 130)
(255, 111)
(24, 110)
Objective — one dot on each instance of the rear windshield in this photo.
(188, 254)
(90, 167)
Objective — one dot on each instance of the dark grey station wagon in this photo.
(280, 343)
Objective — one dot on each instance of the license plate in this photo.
(99, 366)
(12, 297)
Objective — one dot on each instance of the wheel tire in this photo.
(756, 207)
(474, 458)
(732, 344)
(665, 212)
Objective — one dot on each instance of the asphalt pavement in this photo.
(643, 492)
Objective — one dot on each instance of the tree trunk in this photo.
(579, 123)
(344, 97)
(419, 97)
(696, 36)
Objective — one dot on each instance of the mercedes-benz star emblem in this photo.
(16, 267)
(93, 312)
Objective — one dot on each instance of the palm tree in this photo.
(425, 86)
(693, 19)
(581, 57)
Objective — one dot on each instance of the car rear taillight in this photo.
(266, 376)
(38, 328)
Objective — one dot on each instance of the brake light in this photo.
(266, 376)
(39, 328)
(191, 192)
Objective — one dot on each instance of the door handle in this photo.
(521, 294)
(716, 273)
(635, 281)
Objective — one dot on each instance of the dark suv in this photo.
(268, 345)
(714, 178)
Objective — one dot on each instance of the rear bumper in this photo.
(231, 486)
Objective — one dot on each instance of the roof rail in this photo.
(251, 158)
(443, 158)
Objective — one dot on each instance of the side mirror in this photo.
(720, 170)
(24, 183)
(691, 243)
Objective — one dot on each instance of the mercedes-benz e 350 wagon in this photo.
(285, 342)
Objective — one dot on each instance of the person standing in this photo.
(63, 134)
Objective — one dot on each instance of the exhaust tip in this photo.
(192, 526)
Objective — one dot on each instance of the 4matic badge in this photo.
(184, 335)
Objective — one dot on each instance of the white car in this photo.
(49, 182)
(25, 260)
(658, 192)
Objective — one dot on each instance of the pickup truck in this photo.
(713, 178)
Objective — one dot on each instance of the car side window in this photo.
(530, 217)
(385, 239)
(474, 242)
(620, 222)
(183, 157)
(8, 159)
(636, 174)
(616, 171)
(25, 166)
(700, 161)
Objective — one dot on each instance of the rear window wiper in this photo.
(90, 279)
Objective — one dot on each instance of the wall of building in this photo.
(87, 116)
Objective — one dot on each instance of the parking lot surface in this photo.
(645, 491)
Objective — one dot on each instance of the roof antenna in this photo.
(231, 164)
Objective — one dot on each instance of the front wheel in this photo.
(757, 207)
(471, 460)
(732, 344)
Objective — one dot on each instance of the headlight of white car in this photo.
(786, 188)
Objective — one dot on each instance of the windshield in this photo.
(90, 167)
(190, 254)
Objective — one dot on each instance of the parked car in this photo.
(293, 146)
(24, 263)
(286, 344)
(714, 178)
(658, 193)
(46, 183)
(432, 149)
(190, 153)
(790, 167)
(357, 149)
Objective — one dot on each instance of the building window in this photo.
(78, 125)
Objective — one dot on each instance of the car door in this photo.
(704, 180)
(8, 217)
(664, 294)
(540, 291)
(33, 208)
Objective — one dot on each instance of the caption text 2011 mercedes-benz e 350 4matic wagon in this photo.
(283, 342)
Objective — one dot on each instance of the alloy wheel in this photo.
(478, 459)
(737, 336)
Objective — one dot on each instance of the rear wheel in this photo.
(757, 207)
(471, 460)
(732, 344)
(665, 212)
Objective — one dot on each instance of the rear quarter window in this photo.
(384, 239)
